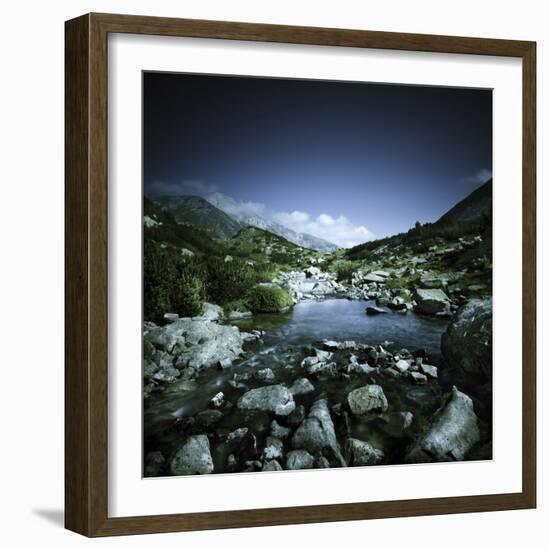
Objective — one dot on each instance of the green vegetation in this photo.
(167, 285)
(184, 267)
(344, 270)
(421, 237)
(268, 299)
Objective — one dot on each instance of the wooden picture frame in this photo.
(86, 360)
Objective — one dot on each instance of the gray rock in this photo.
(231, 461)
(316, 432)
(278, 431)
(271, 466)
(273, 448)
(154, 464)
(233, 315)
(299, 460)
(418, 378)
(225, 363)
(323, 370)
(211, 312)
(276, 399)
(197, 343)
(431, 301)
(170, 317)
(237, 435)
(428, 370)
(361, 368)
(467, 343)
(264, 375)
(217, 400)
(431, 280)
(301, 387)
(402, 365)
(165, 374)
(331, 345)
(193, 457)
(373, 278)
(453, 432)
(381, 273)
(367, 399)
(361, 453)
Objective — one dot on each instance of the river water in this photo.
(286, 337)
(341, 319)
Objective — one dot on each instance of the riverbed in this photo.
(287, 337)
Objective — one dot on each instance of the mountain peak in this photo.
(249, 213)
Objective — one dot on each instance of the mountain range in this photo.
(232, 208)
(222, 218)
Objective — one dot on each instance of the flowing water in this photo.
(342, 319)
(283, 347)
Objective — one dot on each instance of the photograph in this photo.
(317, 274)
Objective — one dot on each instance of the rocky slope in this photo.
(230, 207)
(200, 213)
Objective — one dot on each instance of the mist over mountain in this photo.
(248, 214)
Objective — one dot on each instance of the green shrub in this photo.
(268, 299)
(344, 270)
(227, 281)
(171, 283)
(187, 295)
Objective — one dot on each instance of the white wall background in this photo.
(31, 275)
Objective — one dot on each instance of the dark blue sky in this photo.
(383, 156)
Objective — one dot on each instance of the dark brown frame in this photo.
(87, 286)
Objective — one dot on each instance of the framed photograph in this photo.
(300, 275)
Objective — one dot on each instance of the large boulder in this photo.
(299, 460)
(301, 386)
(468, 341)
(367, 399)
(193, 342)
(431, 301)
(211, 312)
(453, 432)
(361, 453)
(206, 344)
(316, 433)
(193, 457)
(276, 399)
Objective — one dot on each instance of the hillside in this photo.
(159, 225)
(475, 207)
(470, 217)
(188, 209)
(231, 207)
(261, 245)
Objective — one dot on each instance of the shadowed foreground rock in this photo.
(276, 399)
(361, 453)
(193, 457)
(316, 433)
(367, 399)
(431, 301)
(451, 435)
(467, 342)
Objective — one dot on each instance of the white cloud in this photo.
(237, 209)
(340, 230)
(480, 177)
